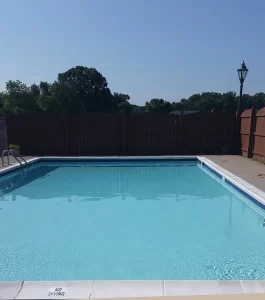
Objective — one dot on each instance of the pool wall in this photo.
(148, 288)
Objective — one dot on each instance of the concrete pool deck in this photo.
(247, 169)
(120, 289)
(245, 172)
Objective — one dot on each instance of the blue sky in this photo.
(168, 49)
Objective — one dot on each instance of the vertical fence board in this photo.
(259, 136)
(253, 134)
(247, 127)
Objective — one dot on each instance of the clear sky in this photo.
(167, 49)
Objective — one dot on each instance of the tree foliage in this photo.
(222, 102)
(158, 105)
(120, 98)
(19, 98)
(89, 89)
(125, 108)
(82, 89)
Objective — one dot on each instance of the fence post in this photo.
(3, 134)
(123, 134)
(251, 133)
(181, 132)
(66, 126)
(238, 133)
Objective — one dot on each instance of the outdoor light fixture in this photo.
(242, 74)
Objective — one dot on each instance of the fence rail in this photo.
(253, 134)
(140, 134)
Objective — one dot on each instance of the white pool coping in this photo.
(134, 288)
(89, 289)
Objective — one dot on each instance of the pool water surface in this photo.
(118, 221)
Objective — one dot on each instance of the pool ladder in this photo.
(14, 154)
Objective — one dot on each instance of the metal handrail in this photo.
(17, 160)
(3, 153)
(14, 154)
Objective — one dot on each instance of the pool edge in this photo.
(97, 289)
(251, 192)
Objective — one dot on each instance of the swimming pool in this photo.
(127, 219)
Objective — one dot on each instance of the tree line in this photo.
(82, 89)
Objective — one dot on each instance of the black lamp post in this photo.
(242, 74)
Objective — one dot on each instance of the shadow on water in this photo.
(10, 183)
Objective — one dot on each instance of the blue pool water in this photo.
(155, 220)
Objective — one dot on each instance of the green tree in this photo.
(58, 98)
(228, 102)
(190, 103)
(208, 101)
(258, 100)
(45, 88)
(138, 109)
(18, 99)
(247, 101)
(119, 98)
(177, 106)
(158, 105)
(35, 90)
(125, 107)
(89, 89)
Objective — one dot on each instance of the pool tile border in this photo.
(120, 159)
(116, 289)
(212, 170)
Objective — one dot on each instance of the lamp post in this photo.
(242, 74)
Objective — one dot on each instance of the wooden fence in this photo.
(3, 135)
(140, 134)
(253, 134)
